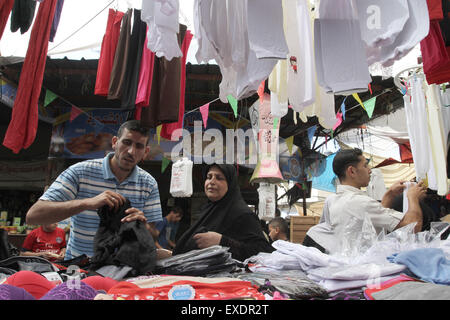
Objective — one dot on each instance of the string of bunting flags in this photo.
(368, 106)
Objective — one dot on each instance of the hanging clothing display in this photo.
(136, 44)
(119, 67)
(145, 79)
(242, 71)
(380, 24)
(22, 128)
(164, 100)
(161, 18)
(416, 121)
(56, 18)
(22, 15)
(301, 74)
(168, 128)
(107, 52)
(5, 9)
(341, 64)
(414, 30)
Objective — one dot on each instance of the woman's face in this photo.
(216, 185)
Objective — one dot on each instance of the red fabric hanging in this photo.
(22, 128)
(145, 79)
(5, 10)
(108, 50)
(435, 9)
(168, 128)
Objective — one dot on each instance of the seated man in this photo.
(278, 229)
(164, 228)
(48, 241)
(353, 172)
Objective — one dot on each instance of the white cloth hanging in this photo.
(222, 27)
(414, 30)
(341, 63)
(161, 17)
(380, 24)
(301, 74)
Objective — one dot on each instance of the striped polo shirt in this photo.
(88, 179)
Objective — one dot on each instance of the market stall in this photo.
(279, 91)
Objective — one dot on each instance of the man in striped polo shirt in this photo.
(89, 185)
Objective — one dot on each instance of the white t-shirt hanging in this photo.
(341, 59)
(300, 65)
(161, 17)
(381, 22)
(265, 32)
(415, 30)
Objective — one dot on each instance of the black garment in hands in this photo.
(118, 243)
(230, 216)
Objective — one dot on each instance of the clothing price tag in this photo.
(182, 292)
(53, 277)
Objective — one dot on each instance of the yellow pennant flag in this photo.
(356, 96)
(158, 133)
(290, 143)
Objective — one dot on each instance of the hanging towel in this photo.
(22, 128)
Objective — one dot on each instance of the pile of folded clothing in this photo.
(200, 262)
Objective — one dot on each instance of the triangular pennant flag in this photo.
(233, 102)
(356, 96)
(261, 91)
(275, 122)
(158, 133)
(343, 108)
(311, 132)
(289, 142)
(370, 89)
(74, 112)
(204, 110)
(164, 163)
(370, 106)
(49, 97)
(338, 120)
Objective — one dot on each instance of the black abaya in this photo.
(232, 218)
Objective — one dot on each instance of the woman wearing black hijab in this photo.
(226, 219)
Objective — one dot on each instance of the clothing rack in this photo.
(400, 77)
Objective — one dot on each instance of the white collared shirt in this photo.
(340, 207)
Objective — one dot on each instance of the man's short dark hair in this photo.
(280, 223)
(177, 210)
(133, 125)
(345, 158)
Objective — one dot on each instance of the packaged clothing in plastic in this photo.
(267, 201)
(198, 262)
(181, 180)
(294, 283)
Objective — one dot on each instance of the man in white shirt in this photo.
(350, 201)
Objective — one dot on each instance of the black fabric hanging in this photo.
(22, 15)
(136, 46)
